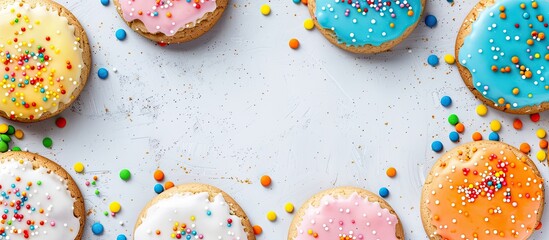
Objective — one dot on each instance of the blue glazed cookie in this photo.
(366, 26)
(503, 54)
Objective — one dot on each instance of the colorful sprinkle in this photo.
(121, 237)
(78, 167)
(391, 172)
(125, 174)
(271, 216)
(265, 181)
(453, 119)
(47, 142)
(19, 134)
(482, 110)
(437, 146)
(446, 101)
(535, 117)
(105, 2)
(517, 124)
(97, 228)
(454, 136)
(449, 59)
(158, 188)
(541, 155)
(477, 136)
(460, 128)
(168, 185)
(383, 192)
(294, 43)
(495, 125)
(525, 148)
(309, 24)
(494, 136)
(103, 73)
(120, 34)
(540, 133)
(257, 229)
(158, 175)
(115, 207)
(431, 21)
(432, 60)
(265, 9)
(289, 207)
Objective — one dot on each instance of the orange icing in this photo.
(487, 212)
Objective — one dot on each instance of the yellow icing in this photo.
(27, 91)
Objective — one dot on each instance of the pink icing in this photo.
(166, 16)
(353, 217)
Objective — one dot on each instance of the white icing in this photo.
(180, 208)
(52, 195)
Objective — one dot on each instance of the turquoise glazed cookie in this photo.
(503, 54)
(366, 26)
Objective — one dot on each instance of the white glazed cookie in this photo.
(193, 211)
(38, 199)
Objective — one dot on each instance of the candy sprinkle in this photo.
(125, 174)
(446, 101)
(294, 43)
(168, 185)
(61, 122)
(524, 148)
(460, 128)
(495, 125)
(105, 2)
(309, 24)
(103, 73)
(454, 136)
(449, 59)
(477, 136)
(541, 155)
(115, 207)
(432, 60)
(431, 21)
(257, 229)
(494, 136)
(3, 128)
(391, 172)
(535, 117)
(437, 146)
(97, 228)
(3, 146)
(517, 124)
(482, 110)
(121, 237)
(120, 34)
(158, 188)
(383, 192)
(78, 167)
(47, 142)
(265, 181)
(453, 119)
(158, 175)
(265, 9)
(289, 207)
(271, 216)
(540, 133)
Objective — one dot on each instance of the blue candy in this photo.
(120, 34)
(431, 21)
(446, 101)
(103, 73)
(432, 60)
(383, 192)
(494, 136)
(454, 137)
(121, 237)
(158, 188)
(105, 2)
(97, 228)
(436, 146)
(296, 1)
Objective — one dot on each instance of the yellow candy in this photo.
(495, 125)
(541, 133)
(271, 216)
(309, 24)
(19, 134)
(115, 207)
(542, 155)
(3, 128)
(265, 9)
(78, 167)
(482, 110)
(450, 59)
(289, 207)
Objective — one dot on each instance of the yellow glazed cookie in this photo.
(45, 59)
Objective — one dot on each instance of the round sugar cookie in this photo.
(45, 58)
(39, 199)
(194, 209)
(171, 21)
(503, 56)
(346, 213)
(366, 26)
(482, 190)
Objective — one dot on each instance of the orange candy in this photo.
(477, 136)
(168, 185)
(305, 2)
(460, 128)
(265, 181)
(391, 172)
(525, 148)
(543, 144)
(158, 175)
(294, 43)
(257, 229)
(517, 124)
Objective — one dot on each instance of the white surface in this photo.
(239, 103)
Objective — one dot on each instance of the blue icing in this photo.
(495, 41)
(367, 22)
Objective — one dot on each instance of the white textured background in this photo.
(239, 103)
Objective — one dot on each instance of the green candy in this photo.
(97, 192)
(3, 146)
(47, 142)
(11, 130)
(453, 119)
(39, 183)
(125, 174)
(16, 149)
(106, 213)
(5, 138)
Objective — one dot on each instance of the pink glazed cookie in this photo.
(171, 21)
(346, 213)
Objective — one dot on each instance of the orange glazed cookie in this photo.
(482, 190)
